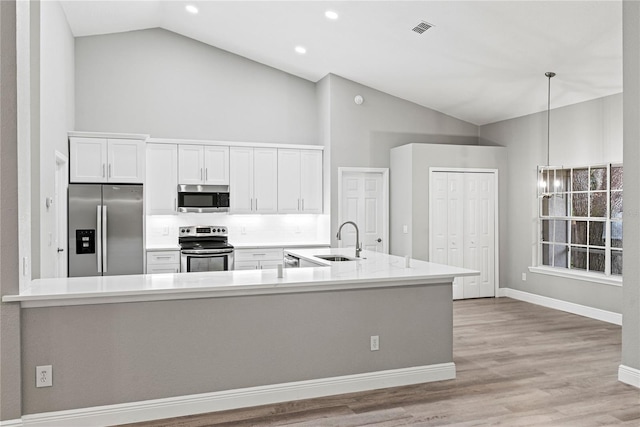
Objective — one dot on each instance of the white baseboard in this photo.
(11, 423)
(582, 310)
(239, 398)
(629, 375)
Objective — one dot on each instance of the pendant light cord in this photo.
(549, 74)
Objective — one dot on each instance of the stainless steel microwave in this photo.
(203, 198)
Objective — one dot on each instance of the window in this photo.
(580, 218)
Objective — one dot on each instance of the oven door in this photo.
(192, 261)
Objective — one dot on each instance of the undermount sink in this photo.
(334, 258)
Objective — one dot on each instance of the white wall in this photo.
(581, 134)
(56, 118)
(169, 86)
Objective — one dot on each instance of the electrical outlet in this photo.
(375, 342)
(243, 230)
(44, 376)
(405, 229)
(524, 277)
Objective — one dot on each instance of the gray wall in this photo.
(581, 134)
(114, 353)
(631, 291)
(362, 135)
(160, 83)
(410, 190)
(10, 392)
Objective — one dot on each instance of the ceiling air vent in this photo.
(421, 27)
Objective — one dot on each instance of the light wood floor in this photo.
(517, 364)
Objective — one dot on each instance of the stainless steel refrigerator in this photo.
(105, 230)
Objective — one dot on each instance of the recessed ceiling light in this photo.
(191, 9)
(330, 14)
(300, 50)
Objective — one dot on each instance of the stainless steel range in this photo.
(204, 248)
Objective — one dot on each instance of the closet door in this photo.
(479, 234)
(462, 209)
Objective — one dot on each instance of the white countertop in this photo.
(372, 270)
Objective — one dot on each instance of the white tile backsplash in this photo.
(243, 229)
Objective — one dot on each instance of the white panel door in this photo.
(362, 202)
(241, 180)
(480, 234)
(161, 184)
(126, 161)
(216, 165)
(190, 164)
(88, 157)
(311, 181)
(462, 233)
(455, 227)
(265, 180)
(289, 181)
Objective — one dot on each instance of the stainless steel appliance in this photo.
(105, 230)
(204, 248)
(203, 198)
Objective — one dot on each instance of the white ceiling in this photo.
(483, 61)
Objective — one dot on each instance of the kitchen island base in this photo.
(127, 362)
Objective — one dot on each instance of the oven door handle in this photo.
(206, 252)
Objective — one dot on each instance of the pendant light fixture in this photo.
(549, 75)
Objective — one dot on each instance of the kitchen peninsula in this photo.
(173, 344)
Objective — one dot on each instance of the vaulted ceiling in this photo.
(481, 61)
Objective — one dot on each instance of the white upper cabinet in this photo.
(299, 181)
(161, 185)
(106, 160)
(253, 180)
(200, 164)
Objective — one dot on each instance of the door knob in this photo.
(60, 249)
(379, 240)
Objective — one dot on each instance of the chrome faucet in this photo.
(358, 247)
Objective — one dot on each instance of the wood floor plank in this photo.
(517, 364)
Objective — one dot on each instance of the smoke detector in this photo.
(421, 27)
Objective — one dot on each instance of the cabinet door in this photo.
(241, 180)
(289, 181)
(161, 186)
(126, 161)
(88, 160)
(216, 165)
(246, 265)
(311, 181)
(190, 164)
(265, 180)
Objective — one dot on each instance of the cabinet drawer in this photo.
(246, 265)
(271, 254)
(159, 269)
(163, 257)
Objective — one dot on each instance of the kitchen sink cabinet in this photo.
(106, 160)
(203, 165)
(162, 179)
(253, 180)
(299, 181)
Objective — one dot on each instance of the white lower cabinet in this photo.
(163, 262)
(257, 259)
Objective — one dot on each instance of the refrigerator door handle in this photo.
(99, 237)
(104, 240)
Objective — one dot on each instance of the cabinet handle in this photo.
(175, 204)
(298, 204)
(257, 254)
(256, 204)
(103, 170)
(164, 257)
(303, 204)
(206, 174)
(109, 170)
